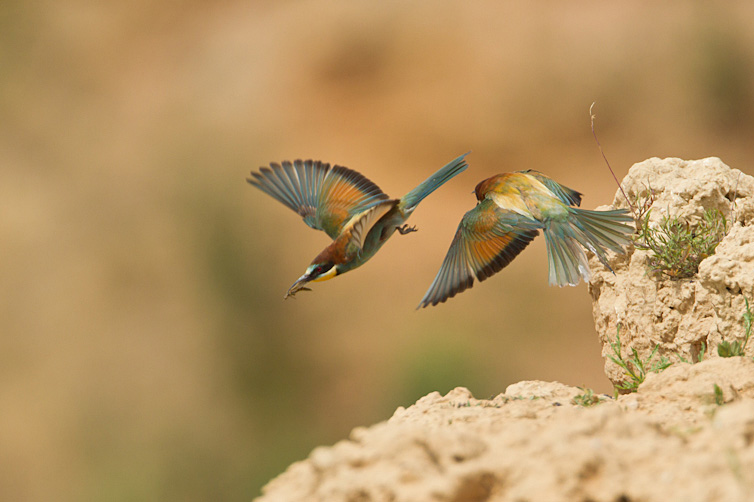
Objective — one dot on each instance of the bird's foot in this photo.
(405, 229)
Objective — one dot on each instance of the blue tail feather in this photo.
(415, 196)
(596, 231)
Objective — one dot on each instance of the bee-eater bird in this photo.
(352, 210)
(511, 209)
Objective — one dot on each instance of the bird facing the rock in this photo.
(352, 210)
(511, 209)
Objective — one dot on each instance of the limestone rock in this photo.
(679, 316)
(669, 441)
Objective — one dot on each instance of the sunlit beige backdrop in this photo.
(146, 352)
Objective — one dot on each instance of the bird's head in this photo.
(482, 188)
(316, 272)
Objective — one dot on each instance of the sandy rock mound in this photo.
(682, 317)
(672, 440)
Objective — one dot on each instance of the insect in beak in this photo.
(299, 285)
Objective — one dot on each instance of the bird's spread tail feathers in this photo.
(596, 231)
(415, 196)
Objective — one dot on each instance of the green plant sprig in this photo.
(586, 398)
(736, 348)
(634, 367)
(676, 247)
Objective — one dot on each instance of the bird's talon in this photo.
(405, 229)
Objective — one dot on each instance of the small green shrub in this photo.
(718, 393)
(676, 247)
(586, 398)
(736, 348)
(635, 369)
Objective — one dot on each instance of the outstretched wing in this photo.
(567, 195)
(487, 240)
(326, 197)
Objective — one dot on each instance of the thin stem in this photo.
(594, 133)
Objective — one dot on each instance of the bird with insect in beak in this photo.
(511, 209)
(352, 210)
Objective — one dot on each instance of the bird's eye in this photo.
(320, 269)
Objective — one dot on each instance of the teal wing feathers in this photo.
(567, 195)
(326, 197)
(488, 239)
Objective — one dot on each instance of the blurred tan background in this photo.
(146, 352)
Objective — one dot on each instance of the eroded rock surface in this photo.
(669, 441)
(682, 317)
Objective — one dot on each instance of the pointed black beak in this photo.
(299, 285)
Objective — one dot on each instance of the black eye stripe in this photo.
(321, 269)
